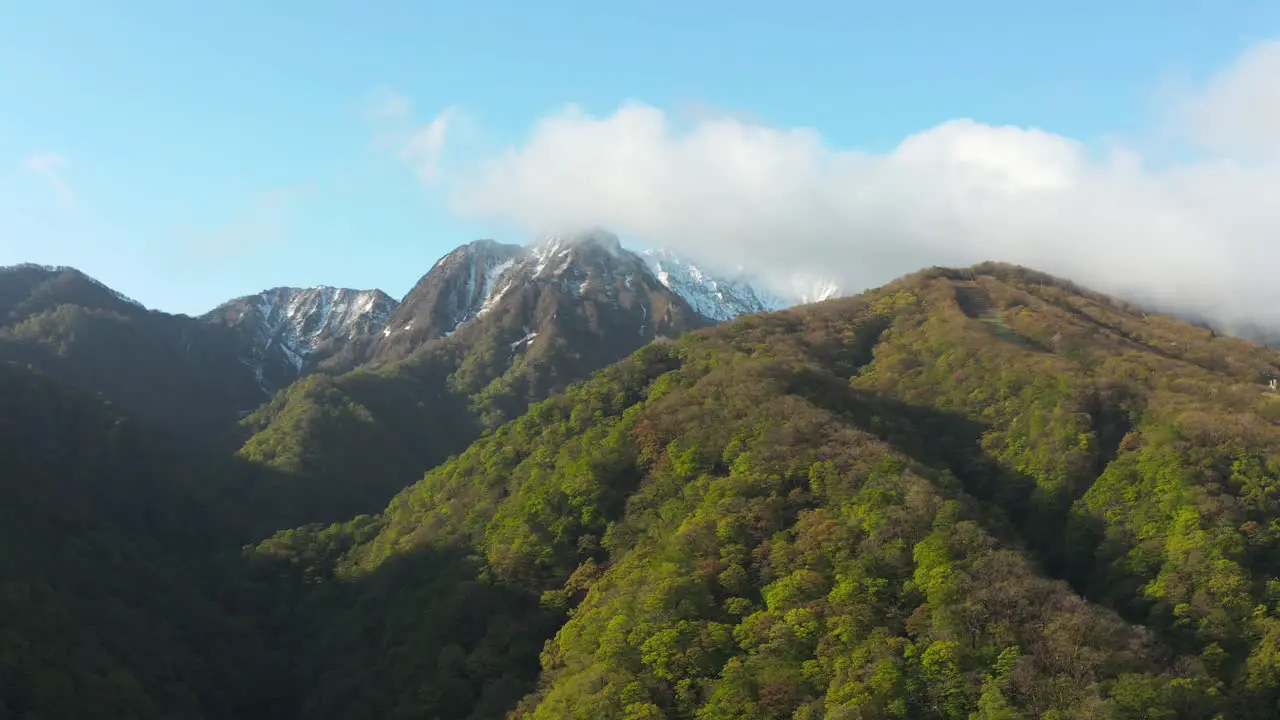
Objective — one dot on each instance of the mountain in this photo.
(722, 297)
(971, 494)
(285, 332)
(451, 293)
(717, 298)
(976, 493)
(206, 372)
(490, 329)
(818, 291)
(171, 369)
(470, 280)
(463, 284)
(28, 289)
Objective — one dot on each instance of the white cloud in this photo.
(420, 147)
(51, 167)
(423, 148)
(1238, 111)
(1202, 234)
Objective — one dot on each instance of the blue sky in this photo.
(185, 153)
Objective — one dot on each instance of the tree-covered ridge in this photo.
(970, 494)
(165, 368)
(27, 290)
(345, 444)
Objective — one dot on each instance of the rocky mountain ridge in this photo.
(583, 289)
(288, 332)
(718, 298)
(285, 330)
(474, 278)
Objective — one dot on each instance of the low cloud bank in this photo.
(1200, 235)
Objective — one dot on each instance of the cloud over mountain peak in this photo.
(1193, 235)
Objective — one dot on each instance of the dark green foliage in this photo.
(109, 575)
(169, 369)
(344, 445)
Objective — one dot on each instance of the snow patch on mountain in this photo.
(544, 252)
(596, 260)
(492, 274)
(557, 258)
(478, 277)
(294, 322)
(528, 338)
(492, 293)
(482, 264)
(714, 296)
(818, 291)
(722, 296)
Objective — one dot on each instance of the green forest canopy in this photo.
(967, 495)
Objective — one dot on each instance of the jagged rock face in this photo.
(592, 268)
(722, 296)
(567, 307)
(284, 332)
(575, 301)
(578, 288)
(588, 291)
(451, 293)
(720, 299)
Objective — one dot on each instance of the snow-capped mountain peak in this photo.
(451, 293)
(722, 296)
(553, 255)
(577, 261)
(476, 279)
(714, 296)
(818, 291)
(286, 325)
(588, 275)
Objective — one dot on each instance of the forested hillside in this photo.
(113, 566)
(970, 494)
(170, 369)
